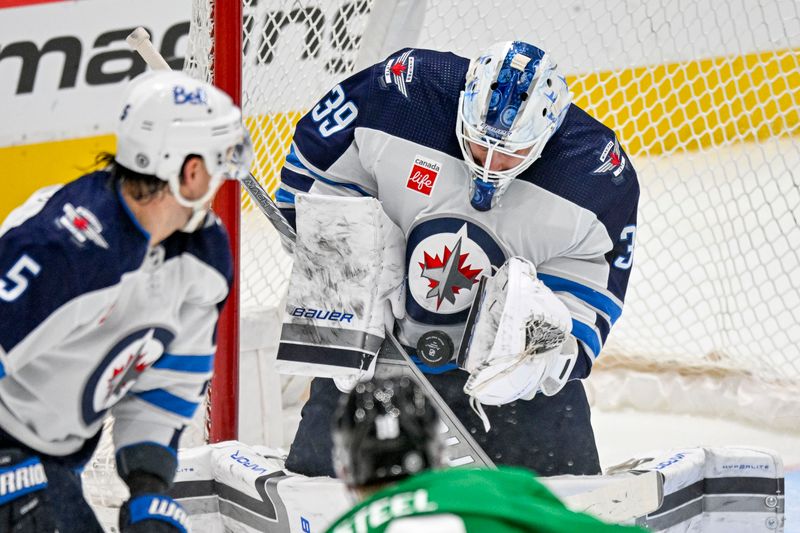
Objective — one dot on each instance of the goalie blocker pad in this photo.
(345, 287)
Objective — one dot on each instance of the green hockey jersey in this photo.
(506, 500)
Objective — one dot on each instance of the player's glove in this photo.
(22, 506)
(149, 510)
(520, 342)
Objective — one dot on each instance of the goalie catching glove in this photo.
(519, 343)
(346, 288)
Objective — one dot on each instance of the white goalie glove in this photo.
(519, 343)
(346, 287)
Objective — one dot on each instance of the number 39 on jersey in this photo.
(334, 113)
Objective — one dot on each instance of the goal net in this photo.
(704, 97)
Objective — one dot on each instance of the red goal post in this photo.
(223, 404)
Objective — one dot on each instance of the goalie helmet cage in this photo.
(704, 98)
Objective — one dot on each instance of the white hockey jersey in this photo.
(92, 319)
(390, 132)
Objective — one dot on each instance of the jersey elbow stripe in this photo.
(588, 336)
(603, 327)
(283, 196)
(294, 161)
(186, 363)
(295, 178)
(586, 294)
(169, 402)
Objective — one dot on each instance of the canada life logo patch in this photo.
(423, 175)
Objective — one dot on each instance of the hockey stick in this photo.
(392, 361)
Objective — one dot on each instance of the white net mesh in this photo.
(704, 97)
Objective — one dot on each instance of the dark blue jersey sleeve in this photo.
(585, 164)
(324, 156)
(37, 278)
(58, 246)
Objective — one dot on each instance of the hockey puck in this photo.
(435, 348)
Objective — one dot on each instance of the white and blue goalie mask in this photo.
(513, 102)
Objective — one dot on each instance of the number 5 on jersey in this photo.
(17, 282)
(333, 114)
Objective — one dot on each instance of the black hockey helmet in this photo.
(385, 430)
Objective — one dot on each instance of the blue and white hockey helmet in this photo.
(168, 116)
(513, 102)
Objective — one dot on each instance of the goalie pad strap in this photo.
(289, 354)
(330, 337)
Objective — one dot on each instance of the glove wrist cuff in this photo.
(157, 507)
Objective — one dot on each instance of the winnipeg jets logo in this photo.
(612, 161)
(447, 256)
(83, 225)
(128, 372)
(447, 267)
(399, 71)
(449, 275)
(121, 368)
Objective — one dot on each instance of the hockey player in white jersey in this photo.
(489, 171)
(110, 290)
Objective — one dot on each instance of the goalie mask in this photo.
(513, 102)
(168, 116)
(383, 431)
